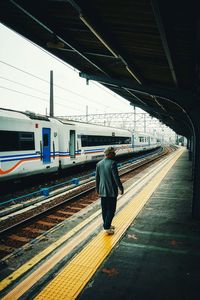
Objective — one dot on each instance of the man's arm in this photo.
(116, 177)
(97, 178)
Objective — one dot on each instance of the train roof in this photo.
(92, 125)
(4, 112)
(15, 114)
(63, 121)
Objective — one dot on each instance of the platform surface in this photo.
(154, 253)
(159, 255)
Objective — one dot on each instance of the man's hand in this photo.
(121, 191)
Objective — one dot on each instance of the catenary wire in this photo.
(45, 93)
(46, 81)
(42, 99)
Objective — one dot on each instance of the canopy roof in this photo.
(145, 51)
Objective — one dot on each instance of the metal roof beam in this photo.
(164, 40)
(182, 99)
(135, 97)
(103, 37)
(103, 40)
(60, 38)
(85, 52)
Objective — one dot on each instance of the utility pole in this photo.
(87, 113)
(51, 95)
(134, 118)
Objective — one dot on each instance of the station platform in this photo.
(154, 253)
(159, 255)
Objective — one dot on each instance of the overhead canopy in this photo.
(145, 51)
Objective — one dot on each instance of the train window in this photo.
(16, 141)
(26, 141)
(127, 140)
(98, 140)
(9, 140)
(45, 139)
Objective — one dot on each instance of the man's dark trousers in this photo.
(108, 205)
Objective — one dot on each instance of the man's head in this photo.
(109, 152)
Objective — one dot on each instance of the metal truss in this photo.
(135, 122)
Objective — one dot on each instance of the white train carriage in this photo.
(29, 144)
(32, 144)
(82, 142)
(144, 141)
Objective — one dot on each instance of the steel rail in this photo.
(122, 172)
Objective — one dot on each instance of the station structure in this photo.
(148, 52)
(136, 122)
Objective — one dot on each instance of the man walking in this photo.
(107, 184)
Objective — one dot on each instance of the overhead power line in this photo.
(34, 89)
(36, 97)
(16, 68)
(12, 90)
(24, 85)
(46, 81)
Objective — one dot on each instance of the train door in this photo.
(72, 143)
(46, 142)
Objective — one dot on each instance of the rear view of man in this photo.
(107, 184)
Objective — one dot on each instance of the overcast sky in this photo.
(30, 91)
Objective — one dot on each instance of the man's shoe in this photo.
(109, 231)
(112, 227)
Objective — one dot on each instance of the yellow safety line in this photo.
(40, 256)
(30, 280)
(32, 262)
(47, 265)
(72, 279)
(42, 270)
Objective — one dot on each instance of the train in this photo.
(36, 144)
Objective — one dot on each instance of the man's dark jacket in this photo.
(107, 178)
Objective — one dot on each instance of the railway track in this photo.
(18, 190)
(26, 225)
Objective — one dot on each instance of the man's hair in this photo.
(109, 150)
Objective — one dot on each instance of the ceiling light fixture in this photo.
(55, 45)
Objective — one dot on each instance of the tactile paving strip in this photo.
(35, 260)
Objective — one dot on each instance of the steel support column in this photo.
(196, 163)
(190, 147)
